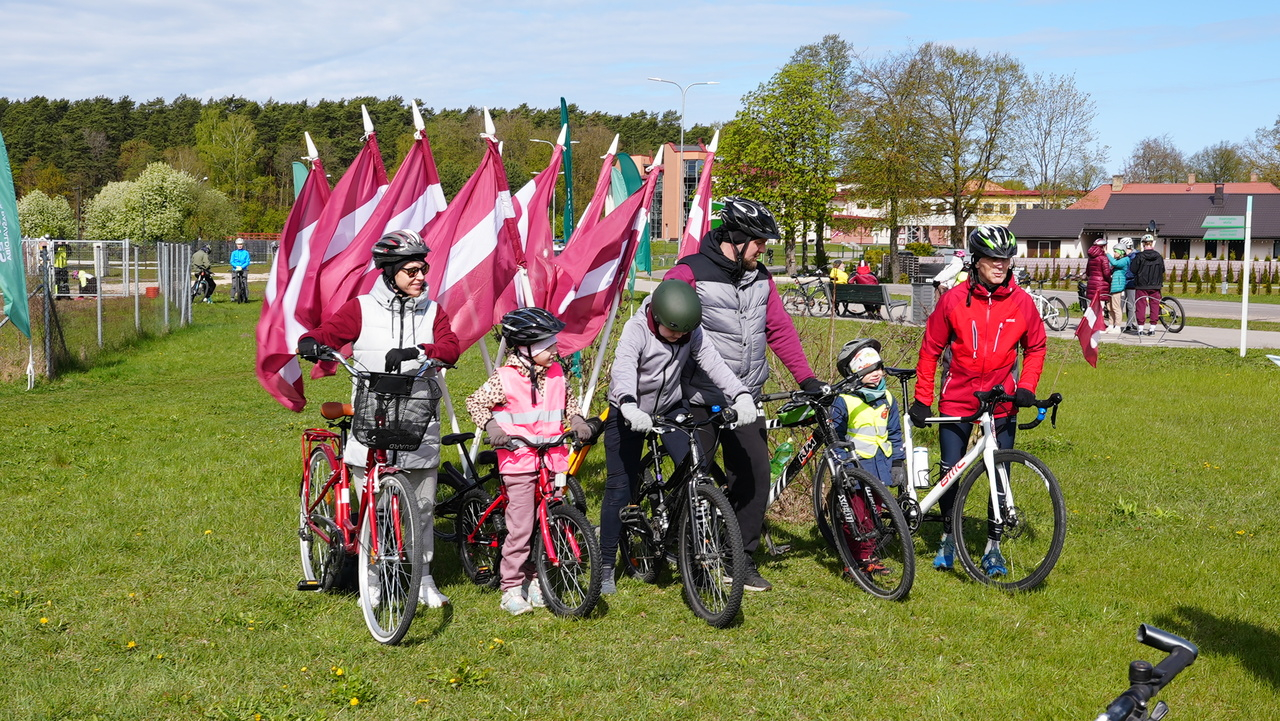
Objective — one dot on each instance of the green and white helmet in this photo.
(992, 241)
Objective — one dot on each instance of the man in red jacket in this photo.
(984, 321)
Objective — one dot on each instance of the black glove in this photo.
(813, 385)
(396, 356)
(937, 284)
(1024, 398)
(918, 412)
(311, 349)
(898, 474)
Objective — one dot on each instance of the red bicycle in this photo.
(376, 539)
(565, 550)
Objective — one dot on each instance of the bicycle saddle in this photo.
(903, 373)
(456, 438)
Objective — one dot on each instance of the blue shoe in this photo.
(946, 558)
(993, 564)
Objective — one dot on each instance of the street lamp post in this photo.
(684, 91)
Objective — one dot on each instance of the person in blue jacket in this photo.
(239, 256)
(1119, 259)
(869, 417)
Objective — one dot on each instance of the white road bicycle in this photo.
(1010, 493)
(1052, 310)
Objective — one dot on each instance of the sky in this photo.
(1200, 72)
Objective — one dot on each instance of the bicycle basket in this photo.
(392, 411)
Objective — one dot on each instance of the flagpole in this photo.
(1244, 275)
(600, 353)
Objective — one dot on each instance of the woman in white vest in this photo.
(394, 327)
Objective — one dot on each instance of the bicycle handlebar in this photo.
(1146, 680)
(523, 442)
(988, 400)
(685, 421)
(327, 353)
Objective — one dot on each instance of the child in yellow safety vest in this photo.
(870, 418)
(527, 397)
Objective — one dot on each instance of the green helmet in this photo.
(675, 305)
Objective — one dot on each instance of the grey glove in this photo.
(745, 406)
(898, 474)
(639, 421)
(582, 430)
(497, 436)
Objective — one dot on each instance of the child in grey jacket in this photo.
(654, 348)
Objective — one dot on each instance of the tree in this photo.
(229, 146)
(777, 150)
(162, 204)
(1155, 160)
(885, 145)
(1220, 163)
(1091, 170)
(968, 103)
(135, 156)
(41, 215)
(1051, 137)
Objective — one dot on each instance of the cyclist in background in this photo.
(871, 419)
(1148, 280)
(240, 261)
(394, 327)
(1119, 260)
(983, 321)
(743, 316)
(201, 265)
(528, 397)
(952, 274)
(654, 348)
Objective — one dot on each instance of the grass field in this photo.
(153, 558)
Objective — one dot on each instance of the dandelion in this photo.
(423, 700)
(131, 644)
(337, 671)
(1239, 533)
(43, 620)
(159, 656)
(355, 701)
(132, 595)
(304, 669)
(207, 531)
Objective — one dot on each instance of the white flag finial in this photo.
(368, 122)
(613, 148)
(312, 153)
(657, 159)
(489, 132)
(417, 119)
(564, 132)
(715, 141)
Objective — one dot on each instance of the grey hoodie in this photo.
(647, 369)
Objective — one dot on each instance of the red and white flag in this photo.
(592, 270)
(354, 199)
(591, 214)
(277, 333)
(411, 201)
(1090, 330)
(700, 210)
(475, 248)
(533, 220)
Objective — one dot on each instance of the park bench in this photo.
(865, 295)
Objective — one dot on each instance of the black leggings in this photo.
(953, 441)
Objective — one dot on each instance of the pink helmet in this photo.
(959, 252)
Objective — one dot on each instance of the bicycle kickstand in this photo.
(775, 549)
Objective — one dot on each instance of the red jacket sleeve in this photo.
(783, 339)
(341, 328)
(446, 345)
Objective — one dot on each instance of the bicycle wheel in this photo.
(795, 301)
(391, 561)
(818, 305)
(1034, 527)
(200, 288)
(324, 560)
(1055, 314)
(820, 495)
(712, 561)
(570, 584)
(480, 544)
(643, 556)
(574, 494)
(875, 546)
(449, 486)
(1172, 316)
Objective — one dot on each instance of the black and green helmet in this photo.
(675, 305)
(992, 241)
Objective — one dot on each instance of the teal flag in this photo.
(631, 180)
(567, 162)
(300, 171)
(13, 276)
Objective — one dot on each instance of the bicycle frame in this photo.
(986, 447)
(339, 482)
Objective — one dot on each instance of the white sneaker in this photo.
(533, 593)
(514, 603)
(430, 595)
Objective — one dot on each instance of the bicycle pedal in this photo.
(632, 515)
(306, 585)
(484, 575)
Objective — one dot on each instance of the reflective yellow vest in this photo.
(868, 426)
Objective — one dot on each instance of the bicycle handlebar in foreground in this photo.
(1146, 680)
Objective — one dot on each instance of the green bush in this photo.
(920, 250)
(873, 256)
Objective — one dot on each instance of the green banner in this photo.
(300, 171)
(13, 276)
(566, 161)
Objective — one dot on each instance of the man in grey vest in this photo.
(743, 316)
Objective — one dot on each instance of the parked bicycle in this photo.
(1145, 680)
(1172, 317)
(684, 515)
(240, 285)
(808, 295)
(1052, 310)
(376, 538)
(1011, 495)
(565, 550)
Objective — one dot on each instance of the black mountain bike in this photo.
(240, 286)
